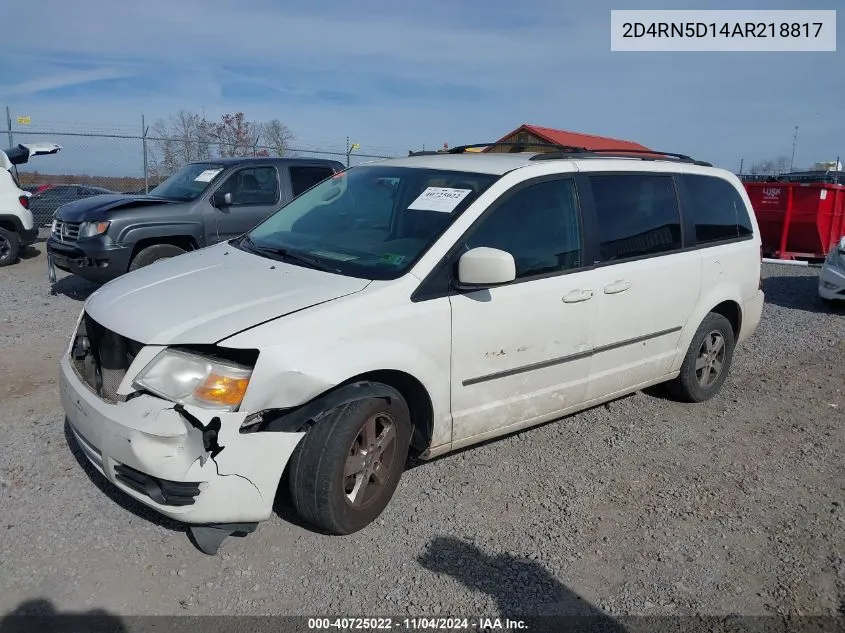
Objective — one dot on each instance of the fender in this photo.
(299, 419)
(153, 229)
(725, 291)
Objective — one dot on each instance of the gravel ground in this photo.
(643, 506)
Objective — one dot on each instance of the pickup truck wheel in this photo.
(9, 247)
(345, 470)
(707, 362)
(153, 254)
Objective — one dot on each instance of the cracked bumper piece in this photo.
(147, 449)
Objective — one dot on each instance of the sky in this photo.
(403, 75)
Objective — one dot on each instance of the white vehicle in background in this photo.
(832, 275)
(17, 226)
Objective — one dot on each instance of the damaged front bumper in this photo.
(832, 279)
(187, 463)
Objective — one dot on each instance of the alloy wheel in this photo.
(710, 359)
(370, 460)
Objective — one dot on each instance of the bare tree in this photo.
(184, 138)
(187, 137)
(772, 166)
(234, 135)
(275, 137)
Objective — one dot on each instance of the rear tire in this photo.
(345, 470)
(154, 253)
(9, 247)
(707, 361)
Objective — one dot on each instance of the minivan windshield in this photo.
(371, 221)
(189, 182)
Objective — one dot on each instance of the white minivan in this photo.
(410, 306)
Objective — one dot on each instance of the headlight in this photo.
(90, 229)
(188, 378)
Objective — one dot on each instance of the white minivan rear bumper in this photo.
(752, 312)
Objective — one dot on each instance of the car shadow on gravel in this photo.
(73, 287)
(41, 616)
(798, 292)
(522, 588)
(115, 494)
(30, 252)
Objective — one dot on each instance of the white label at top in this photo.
(441, 199)
(208, 175)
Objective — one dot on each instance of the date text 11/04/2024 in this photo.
(415, 624)
(712, 29)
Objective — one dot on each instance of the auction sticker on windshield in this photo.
(441, 199)
(208, 175)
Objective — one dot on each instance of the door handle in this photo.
(616, 287)
(578, 295)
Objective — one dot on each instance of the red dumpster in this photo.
(797, 219)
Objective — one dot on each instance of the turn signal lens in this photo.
(218, 389)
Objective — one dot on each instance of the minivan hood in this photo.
(94, 208)
(210, 294)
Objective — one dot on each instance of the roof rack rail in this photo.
(518, 147)
(425, 152)
(652, 154)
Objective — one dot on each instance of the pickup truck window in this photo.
(253, 185)
(188, 183)
(302, 178)
(370, 221)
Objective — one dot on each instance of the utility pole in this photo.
(741, 162)
(9, 127)
(794, 142)
(144, 130)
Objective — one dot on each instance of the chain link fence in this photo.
(123, 162)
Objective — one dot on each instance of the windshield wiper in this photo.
(288, 255)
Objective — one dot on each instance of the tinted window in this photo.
(717, 209)
(254, 185)
(637, 215)
(538, 225)
(303, 178)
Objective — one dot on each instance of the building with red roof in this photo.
(535, 134)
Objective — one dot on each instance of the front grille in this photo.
(66, 232)
(102, 357)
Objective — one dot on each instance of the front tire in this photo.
(345, 470)
(707, 361)
(9, 247)
(154, 253)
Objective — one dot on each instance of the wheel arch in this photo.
(725, 300)
(361, 386)
(185, 241)
(11, 223)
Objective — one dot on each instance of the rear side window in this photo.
(302, 178)
(718, 210)
(638, 215)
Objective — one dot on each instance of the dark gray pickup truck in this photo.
(103, 237)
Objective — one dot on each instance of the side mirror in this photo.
(220, 200)
(484, 267)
